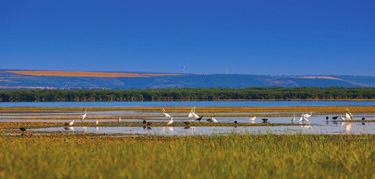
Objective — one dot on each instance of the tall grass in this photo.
(232, 156)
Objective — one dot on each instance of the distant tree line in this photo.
(188, 94)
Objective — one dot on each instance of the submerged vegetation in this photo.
(232, 156)
(175, 94)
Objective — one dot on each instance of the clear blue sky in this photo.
(196, 36)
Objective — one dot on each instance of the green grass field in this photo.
(232, 156)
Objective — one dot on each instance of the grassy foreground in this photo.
(233, 156)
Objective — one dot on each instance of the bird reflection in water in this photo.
(69, 128)
(347, 126)
(305, 125)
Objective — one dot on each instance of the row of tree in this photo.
(176, 94)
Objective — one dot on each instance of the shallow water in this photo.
(317, 125)
(188, 103)
(330, 128)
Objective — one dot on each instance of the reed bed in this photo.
(231, 156)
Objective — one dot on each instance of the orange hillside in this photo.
(86, 74)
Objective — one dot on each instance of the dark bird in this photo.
(235, 122)
(149, 124)
(23, 131)
(327, 117)
(265, 120)
(199, 119)
(144, 122)
(335, 117)
(363, 118)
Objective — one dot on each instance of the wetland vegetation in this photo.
(231, 156)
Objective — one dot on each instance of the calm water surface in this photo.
(317, 125)
(329, 128)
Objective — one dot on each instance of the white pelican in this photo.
(307, 115)
(119, 119)
(304, 119)
(348, 116)
(170, 122)
(192, 114)
(97, 122)
(166, 115)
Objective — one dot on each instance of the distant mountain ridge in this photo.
(42, 79)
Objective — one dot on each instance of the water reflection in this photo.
(347, 126)
(69, 129)
(334, 127)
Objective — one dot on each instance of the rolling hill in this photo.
(29, 79)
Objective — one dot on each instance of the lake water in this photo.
(328, 128)
(317, 125)
(188, 103)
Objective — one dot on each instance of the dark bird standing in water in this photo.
(235, 124)
(327, 118)
(363, 118)
(144, 122)
(335, 117)
(265, 120)
(199, 119)
(23, 131)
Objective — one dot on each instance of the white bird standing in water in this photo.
(193, 115)
(212, 119)
(348, 116)
(294, 117)
(253, 118)
(71, 123)
(84, 115)
(97, 122)
(307, 115)
(166, 115)
(119, 119)
(170, 122)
